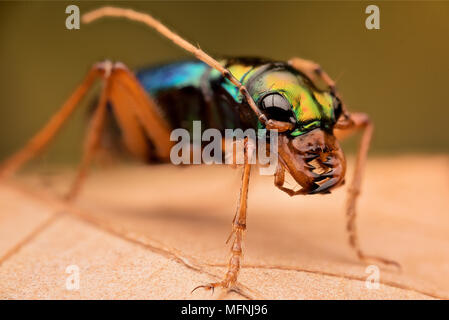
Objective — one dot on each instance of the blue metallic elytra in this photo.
(174, 75)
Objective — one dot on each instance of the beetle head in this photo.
(305, 117)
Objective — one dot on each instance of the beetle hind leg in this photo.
(136, 113)
(39, 141)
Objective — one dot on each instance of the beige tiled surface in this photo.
(157, 232)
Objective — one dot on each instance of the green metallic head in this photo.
(284, 94)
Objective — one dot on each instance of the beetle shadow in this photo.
(289, 243)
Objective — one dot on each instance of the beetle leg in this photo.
(359, 121)
(238, 229)
(92, 138)
(314, 72)
(279, 179)
(38, 142)
(146, 111)
(279, 176)
(133, 108)
(132, 134)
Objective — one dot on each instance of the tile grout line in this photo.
(31, 236)
(343, 276)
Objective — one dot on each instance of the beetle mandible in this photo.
(296, 98)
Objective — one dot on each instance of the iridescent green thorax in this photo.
(311, 107)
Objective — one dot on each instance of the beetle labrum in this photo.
(296, 98)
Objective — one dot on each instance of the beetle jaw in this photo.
(315, 160)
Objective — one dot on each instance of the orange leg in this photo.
(279, 178)
(360, 121)
(238, 230)
(44, 136)
(314, 72)
(136, 113)
(146, 110)
(92, 140)
(134, 109)
(133, 136)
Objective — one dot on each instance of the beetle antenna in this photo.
(340, 75)
(178, 40)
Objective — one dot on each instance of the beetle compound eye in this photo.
(275, 100)
(277, 107)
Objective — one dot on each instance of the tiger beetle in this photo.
(296, 98)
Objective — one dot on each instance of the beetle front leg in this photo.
(279, 179)
(358, 121)
(237, 233)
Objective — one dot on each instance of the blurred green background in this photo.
(398, 74)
